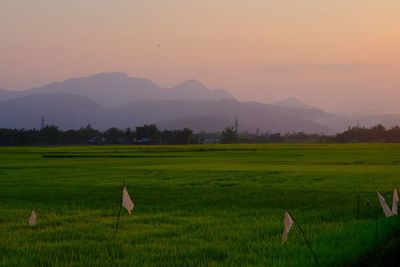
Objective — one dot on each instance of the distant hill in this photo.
(6, 95)
(195, 90)
(292, 102)
(115, 89)
(64, 110)
(262, 116)
(387, 120)
(116, 99)
(73, 111)
(197, 123)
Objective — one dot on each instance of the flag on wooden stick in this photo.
(287, 224)
(32, 218)
(127, 202)
(395, 201)
(386, 210)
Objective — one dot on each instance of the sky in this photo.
(341, 55)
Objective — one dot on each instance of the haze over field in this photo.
(337, 55)
(116, 99)
(199, 133)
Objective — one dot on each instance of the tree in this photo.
(229, 135)
(130, 136)
(114, 135)
(50, 134)
(275, 138)
(147, 131)
(186, 136)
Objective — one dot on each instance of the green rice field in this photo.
(195, 205)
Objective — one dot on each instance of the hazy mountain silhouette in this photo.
(115, 99)
(251, 115)
(115, 89)
(73, 111)
(64, 110)
(6, 95)
(338, 122)
(193, 89)
(197, 123)
(387, 120)
(292, 102)
(333, 121)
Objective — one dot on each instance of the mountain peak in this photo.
(191, 84)
(188, 89)
(292, 102)
(113, 89)
(110, 74)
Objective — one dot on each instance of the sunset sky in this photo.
(342, 55)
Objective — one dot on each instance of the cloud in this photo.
(289, 67)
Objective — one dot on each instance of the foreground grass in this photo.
(195, 205)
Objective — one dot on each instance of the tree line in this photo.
(150, 134)
(52, 135)
(357, 134)
(376, 133)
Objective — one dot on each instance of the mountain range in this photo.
(115, 89)
(114, 99)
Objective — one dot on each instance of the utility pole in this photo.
(236, 123)
(236, 120)
(42, 122)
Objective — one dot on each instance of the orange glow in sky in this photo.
(340, 55)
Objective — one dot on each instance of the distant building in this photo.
(143, 141)
(209, 141)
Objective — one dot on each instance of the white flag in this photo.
(395, 200)
(127, 202)
(32, 218)
(287, 224)
(385, 207)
